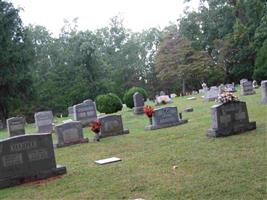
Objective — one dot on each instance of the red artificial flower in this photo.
(149, 110)
(95, 126)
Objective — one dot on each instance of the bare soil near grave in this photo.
(234, 167)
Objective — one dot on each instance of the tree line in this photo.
(222, 41)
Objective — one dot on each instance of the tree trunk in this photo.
(183, 87)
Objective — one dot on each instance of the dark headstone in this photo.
(138, 103)
(44, 121)
(246, 88)
(85, 112)
(111, 125)
(15, 126)
(27, 157)
(70, 133)
(190, 109)
(229, 119)
(264, 92)
(165, 117)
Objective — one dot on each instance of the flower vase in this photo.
(97, 136)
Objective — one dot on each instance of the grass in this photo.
(228, 168)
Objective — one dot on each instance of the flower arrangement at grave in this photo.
(149, 111)
(164, 100)
(95, 127)
(226, 97)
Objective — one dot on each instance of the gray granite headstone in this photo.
(221, 89)
(44, 121)
(111, 125)
(162, 93)
(211, 94)
(138, 103)
(70, 111)
(15, 126)
(229, 119)
(246, 88)
(264, 92)
(230, 87)
(27, 157)
(70, 133)
(243, 80)
(85, 112)
(165, 117)
(88, 101)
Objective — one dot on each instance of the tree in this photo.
(15, 57)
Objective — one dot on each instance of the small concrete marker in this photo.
(191, 98)
(107, 160)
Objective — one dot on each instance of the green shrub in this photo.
(128, 96)
(108, 103)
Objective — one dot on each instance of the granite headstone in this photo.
(246, 88)
(70, 133)
(85, 112)
(70, 111)
(264, 92)
(229, 119)
(111, 125)
(138, 103)
(27, 157)
(165, 117)
(15, 126)
(44, 121)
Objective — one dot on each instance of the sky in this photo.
(94, 14)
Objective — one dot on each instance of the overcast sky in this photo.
(93, 14)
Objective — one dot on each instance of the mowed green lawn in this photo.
(229, 168)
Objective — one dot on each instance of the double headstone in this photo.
(15, 126)
(44, 121)
(69, 133)
(264, 92)
(27, 157)
(165, 117)
(85, 112)
(138, 103)
(246, 88)
(111, 125)
(230, 118)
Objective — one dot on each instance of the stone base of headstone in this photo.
(13, 181)
(138, 110)
(80, 141)
(210, 99)
(248, 93)
(154, 127)
(189, 109)
(227, 132)
(125, 131)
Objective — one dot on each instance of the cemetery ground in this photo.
(172, 163)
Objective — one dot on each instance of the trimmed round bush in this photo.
(128, 96)
(108, 103)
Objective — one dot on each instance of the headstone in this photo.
(70, 133)
(230, 87)
(162, 93)
(230, 118)
(27, 157)
(243, 80)
(246, 88)
(85, 113)
(173, 95)
(88, 101)
(15, 126)
(255, 84)
(264, 92)
(190, 109)
(165, 117)
(111, 125)
(221, 89)
(211, 94)
(70, 111)
(107, 160)
(44, 121)
(138, 103)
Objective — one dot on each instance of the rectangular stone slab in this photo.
(107, 160)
